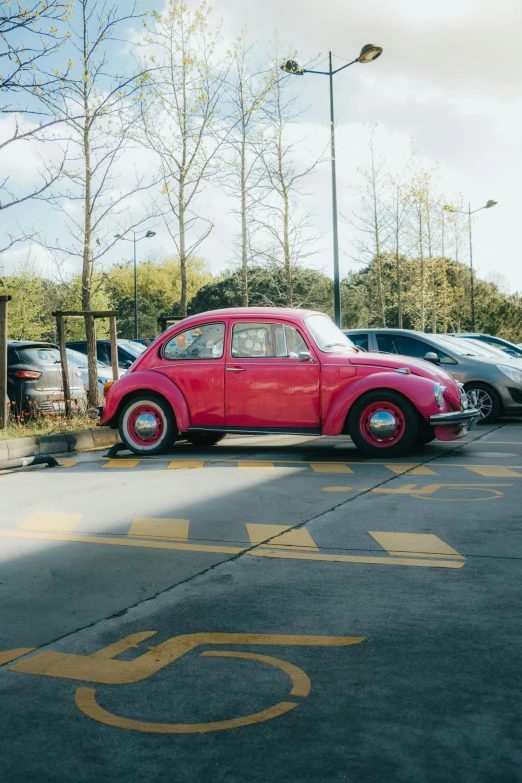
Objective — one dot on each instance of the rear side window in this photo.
(257, 340)
(199, 342)
(39, 355)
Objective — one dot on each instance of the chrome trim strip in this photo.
(454, 417)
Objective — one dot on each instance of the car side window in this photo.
(102, 353)
(385, 343)
(409, 346)
(360, 340)
(255, 340)
(199, 342)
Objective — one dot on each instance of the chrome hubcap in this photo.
(146, 425)
(382, 424)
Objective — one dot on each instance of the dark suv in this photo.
(128, 351)
(34, 380)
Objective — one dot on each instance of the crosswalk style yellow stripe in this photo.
(63, 523)
(185, 464)
(299, 538)
(499, 472)
(330, 467)
(418, 470)
(159, 527)
(252, 464)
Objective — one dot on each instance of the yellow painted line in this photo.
(160, 527)
(11, 655)
(418, 470)
(414, 545)
(330, 467)
(498, 472)
(185, 464)
(121, 463)
(336, 489)
(134, 542)
(355, 559)
(68, 463)
(300, 538)
(254, 465)
(58, 523)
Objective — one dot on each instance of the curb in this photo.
(84, 440)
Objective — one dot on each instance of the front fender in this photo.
(418, 390)
(146, 380)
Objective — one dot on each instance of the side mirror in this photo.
(304, 356)
(432, 357)
(125, 364)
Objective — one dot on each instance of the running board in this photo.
(260, 430)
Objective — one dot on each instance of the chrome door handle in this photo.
(236, 369)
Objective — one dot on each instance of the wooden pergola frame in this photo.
(4, 299)
(60, 315)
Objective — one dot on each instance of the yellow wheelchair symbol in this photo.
(102, 668)
(446, 492)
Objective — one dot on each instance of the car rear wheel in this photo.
(487, 401)
(203, 439)
(383, 423)
(147, 425)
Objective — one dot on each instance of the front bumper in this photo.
(455, 418)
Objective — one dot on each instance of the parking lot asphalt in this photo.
(273, 608)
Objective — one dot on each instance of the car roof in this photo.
(394, 331)
(30, 344)
(297, 313)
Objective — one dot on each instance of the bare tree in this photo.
(98, 107)
(397, 215)
(372, 220)
(244, 169)
(30, 34)
(286, 236)
(180, 119)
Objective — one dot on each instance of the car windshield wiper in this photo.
(332, 345)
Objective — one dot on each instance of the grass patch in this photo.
(45, 425)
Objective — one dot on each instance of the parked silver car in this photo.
(495, 379)
(79, 360)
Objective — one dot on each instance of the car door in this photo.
(194, 360)
(266, 385)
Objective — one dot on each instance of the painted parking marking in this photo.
(418, 470)
(121, 463)
(330, 467)
(499, 472)
(11, 655)
(160, 527)
(68, 463)
(337, 489)
(255, 465)
(299, 538)
(186, 464)
(293, 539)
(101, 668)
(54, 522)
(478, 492)
(414, 545)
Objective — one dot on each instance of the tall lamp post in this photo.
(469, 213)
(148, 235)
(368, 54)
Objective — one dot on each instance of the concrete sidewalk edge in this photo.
(83, 440)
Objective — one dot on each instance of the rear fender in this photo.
(418, 390)
(145, 381)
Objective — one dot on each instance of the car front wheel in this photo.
(147, 425)
(487, 401)
(383, 423)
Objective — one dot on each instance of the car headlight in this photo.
(515, 375)
(438, 391)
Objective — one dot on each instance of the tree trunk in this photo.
(399, 286)
(286, 242)
(182, 255)
(244, 237)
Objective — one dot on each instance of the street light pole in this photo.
(148, 235)
(368, 54)
(469, 213)
(337, 279)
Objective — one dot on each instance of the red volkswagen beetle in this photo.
(278, 370)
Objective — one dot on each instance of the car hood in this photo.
(389, 361)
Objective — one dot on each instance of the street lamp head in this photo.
(369, 53)
(292, 67)
(150, 234)
(490, 204)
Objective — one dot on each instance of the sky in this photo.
(448, 79)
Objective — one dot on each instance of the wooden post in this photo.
(3, 360)
(114, 348)
(60, 326)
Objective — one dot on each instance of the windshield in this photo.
(463, 347)
(484, 349)
(326, 335)
(42, 355)
(136, 349)
(80, 359)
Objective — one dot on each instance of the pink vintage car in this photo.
(277, 370)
